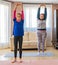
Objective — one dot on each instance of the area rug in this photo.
(30, 54)
(31, 62)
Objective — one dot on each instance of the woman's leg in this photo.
(39, 40)
(43, 40)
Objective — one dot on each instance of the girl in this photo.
(18, 31)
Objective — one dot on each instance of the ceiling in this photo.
(35, 1)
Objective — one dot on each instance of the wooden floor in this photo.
(50, 49)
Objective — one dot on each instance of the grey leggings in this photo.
(41, 38)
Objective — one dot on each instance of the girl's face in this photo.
(41, 16)
(18, 17)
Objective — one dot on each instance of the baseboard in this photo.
(24, 49)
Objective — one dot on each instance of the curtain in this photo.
(4, 25)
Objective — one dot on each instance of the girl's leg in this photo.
(20, 46)
(15, 48)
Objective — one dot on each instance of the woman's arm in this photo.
(45, 16)
(38, 13)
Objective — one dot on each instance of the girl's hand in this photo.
(16, 6)
(21, 6)
(19, 3)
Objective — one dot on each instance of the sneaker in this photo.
(38, 53)
(43, 54)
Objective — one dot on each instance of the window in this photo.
(30, 12)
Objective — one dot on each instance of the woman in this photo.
(41, 26)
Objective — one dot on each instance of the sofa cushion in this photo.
(33, 36)
(25, 37)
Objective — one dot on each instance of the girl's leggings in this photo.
(18, 39)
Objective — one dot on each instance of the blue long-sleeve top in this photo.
(18, 28)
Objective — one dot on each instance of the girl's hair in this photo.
(19, 14)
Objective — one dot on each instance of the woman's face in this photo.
(41, 16)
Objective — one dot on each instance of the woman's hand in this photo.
(43, 5)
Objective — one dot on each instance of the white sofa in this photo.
(29, 41)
